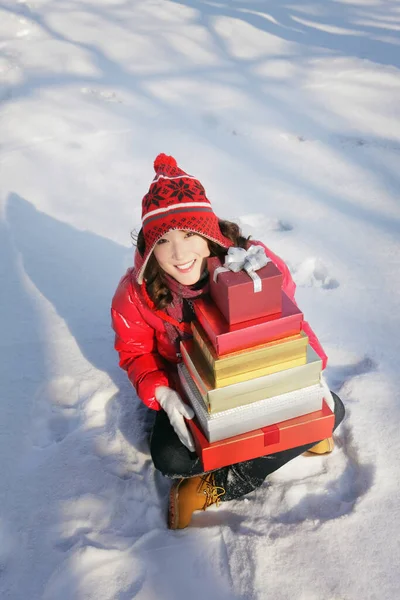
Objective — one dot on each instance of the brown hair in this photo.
(156, 287)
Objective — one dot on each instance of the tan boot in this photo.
(188, 495)
(324, 447)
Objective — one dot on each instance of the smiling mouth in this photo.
(186, 267)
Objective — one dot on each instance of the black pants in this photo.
(174, 460)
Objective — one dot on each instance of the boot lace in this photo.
(212, 492)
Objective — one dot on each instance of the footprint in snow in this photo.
(312, 272)
(55, 412)
(122, 441)
(52, 425)
(259, 222)
(57, 409)
(341, 375)
(358, 142)
(335, 497)
(339, 495)
(104, 95)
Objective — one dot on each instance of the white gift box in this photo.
(234, 421)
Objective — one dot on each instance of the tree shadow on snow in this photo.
(336, 28)
(23, 368)
(78, 271)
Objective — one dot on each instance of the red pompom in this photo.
(163, 160)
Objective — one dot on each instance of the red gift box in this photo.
(234, 294)
(229, 338)
(302, 430)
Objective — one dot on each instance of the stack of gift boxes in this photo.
(249, 372)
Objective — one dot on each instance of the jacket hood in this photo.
(137, 263)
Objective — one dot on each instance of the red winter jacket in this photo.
(141, 340)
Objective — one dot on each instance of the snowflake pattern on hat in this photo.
(170, 191)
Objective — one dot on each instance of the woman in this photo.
(151, 313)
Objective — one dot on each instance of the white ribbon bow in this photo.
(250, 260)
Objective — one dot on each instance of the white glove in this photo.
(176, 409)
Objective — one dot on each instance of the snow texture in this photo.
(288, 112)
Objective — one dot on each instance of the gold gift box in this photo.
(260, 360)
(249, 390)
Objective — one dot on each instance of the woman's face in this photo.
(182, 254)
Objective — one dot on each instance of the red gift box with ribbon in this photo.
(247, 286)
(230, 338)
(299, 431)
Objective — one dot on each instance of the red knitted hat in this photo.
(176, 200)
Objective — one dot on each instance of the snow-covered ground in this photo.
(289, 113)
